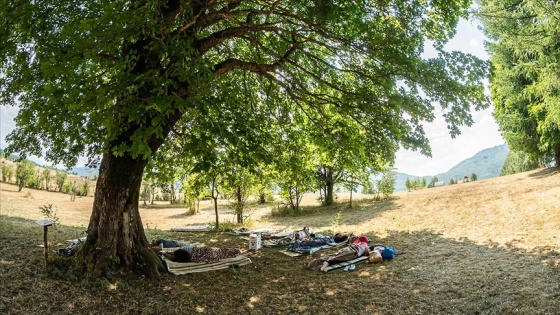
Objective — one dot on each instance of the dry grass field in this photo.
(485, 247)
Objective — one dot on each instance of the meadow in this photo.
(484, 247)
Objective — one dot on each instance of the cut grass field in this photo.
(486, 247)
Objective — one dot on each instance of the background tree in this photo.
(47, 176)
(524, 40)
(386, 185)
(25, 171)
(433, 182)
(409, 184)
(473, 177)
(7, 172)
(518, 161)
(60, 179)
(112, 80)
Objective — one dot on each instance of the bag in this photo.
(375, 256)
(388, 253)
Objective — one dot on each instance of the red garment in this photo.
(361, 240)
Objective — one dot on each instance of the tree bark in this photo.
(115, 238)
(329, 183)
(240, 204)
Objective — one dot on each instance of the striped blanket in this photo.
(180, 268)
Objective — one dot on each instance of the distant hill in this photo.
(85, 171)
(485, 164)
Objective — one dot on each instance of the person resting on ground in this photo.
(303, 234)
(359, 247)
(201, 254)
(307, 245)
(166, 243)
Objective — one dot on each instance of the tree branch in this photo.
(237, 64)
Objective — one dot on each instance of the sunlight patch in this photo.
(253, 300)
(278, 279)
(200, 309)
(364, 273)
(7, 262)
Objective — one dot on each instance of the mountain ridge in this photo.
(485, 164)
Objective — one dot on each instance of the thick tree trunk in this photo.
(115, 238)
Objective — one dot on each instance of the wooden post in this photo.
(45, 224)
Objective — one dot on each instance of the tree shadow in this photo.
(432, 275)
(545, 172)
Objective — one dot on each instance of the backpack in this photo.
(388, 252)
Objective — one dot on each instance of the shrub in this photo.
(7, 172)
(50, 213)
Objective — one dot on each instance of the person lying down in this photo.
(201, 254)
(359, 247)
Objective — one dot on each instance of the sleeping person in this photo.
(201, 254)
(359, 247)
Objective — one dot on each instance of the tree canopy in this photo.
(524, 46)
(116, 80)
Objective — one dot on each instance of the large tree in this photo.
(112, 79)
(524, 45)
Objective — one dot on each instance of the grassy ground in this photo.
(478, 248)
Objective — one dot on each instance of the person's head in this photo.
(181, 255)
(154, 243)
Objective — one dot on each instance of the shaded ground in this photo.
(434, 275)
(488, 247)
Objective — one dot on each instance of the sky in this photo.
(446, 152)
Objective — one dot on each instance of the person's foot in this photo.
(352, 267)
(325, 266)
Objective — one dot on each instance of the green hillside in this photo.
(485, 164)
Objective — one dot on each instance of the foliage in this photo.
(60, 179)
(7, 172)
(50, 213)
(473, 177)
(452, 182)
(25, 172)
(415, 183)
(524, 40)
(119, 80)
(433, 182)
(47, 176)
(386, 185)
(84, 190)
(336, 221)
(518, 161)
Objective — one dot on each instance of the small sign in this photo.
(45, 222)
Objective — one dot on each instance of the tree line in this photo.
(25, 173)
